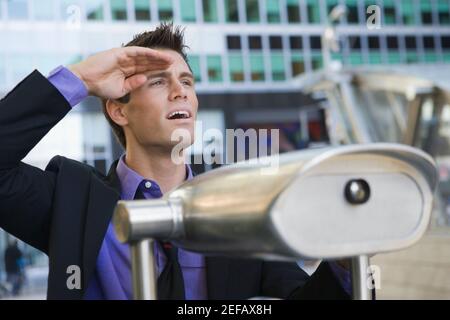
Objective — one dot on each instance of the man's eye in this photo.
(187, 82)
(156, 83)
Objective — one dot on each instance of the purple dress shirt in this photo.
(112, 276)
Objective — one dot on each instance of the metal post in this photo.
(360, 267)
(144, 270)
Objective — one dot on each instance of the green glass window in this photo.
(273, 11)
(408, 12)
(210, 13)
(336, 56)
(252, 10)
(374, 58)
(118, 10)
(231, 11)
(446, 56)
(165, 10)
(187, 8)
(431, 56)
(277, 61)
(297, 64)
(293, 11)
(394, 57)
(94, 10)
(214, 64)
(194, 63)
(355, 58)
(443, 8)
(316, 61)
(142, 10)
(313, 11)
(236, 66)
(17, 9)
(389, 12)
(426, 12)
(412, 57)
(352, 11)
(257, 67)
(330, 5)
(43, 9)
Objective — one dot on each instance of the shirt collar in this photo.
(130, 179)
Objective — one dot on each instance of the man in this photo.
(14, 267)
(147, 89)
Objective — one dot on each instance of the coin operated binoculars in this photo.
(331, 203)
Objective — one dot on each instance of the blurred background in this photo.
(323, 72)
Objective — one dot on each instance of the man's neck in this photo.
(157, 165)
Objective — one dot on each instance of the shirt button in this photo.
(148, 184)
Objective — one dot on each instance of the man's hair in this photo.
(165, 36)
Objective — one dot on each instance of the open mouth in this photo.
(178, 115)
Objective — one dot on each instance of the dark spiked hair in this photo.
(165, 36)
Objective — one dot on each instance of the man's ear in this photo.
(116, 112)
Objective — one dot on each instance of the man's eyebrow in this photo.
(165, 74)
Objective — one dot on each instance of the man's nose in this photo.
(178, 91)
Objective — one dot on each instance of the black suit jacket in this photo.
(64, 210)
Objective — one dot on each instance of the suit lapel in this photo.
(103, 197)
(217, 273)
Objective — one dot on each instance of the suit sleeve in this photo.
(286, 280)
(27, 113)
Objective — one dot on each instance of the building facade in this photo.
(244, 54)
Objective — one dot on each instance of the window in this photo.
(277, 61)
(394, 57)
(187, 8)
(276, 42)
(214, 64)
(194, 63)
(273, 11)
(43, 9)
(231, 11)
(17, 9)
(313, 11)
(445, 42)
(410, 42)
(165, 10)
(70, 10)
(392, 42)
(408, 12)
(252, 10)
(426, 12)
(316, 61)
(255, 42)
(142, 10)
(296, 42)
(234, 42)
(297, 64)
(443, 8)
(412, 57)
(257, 67)
(210, 11)
(352, 15)
(429, 43)
(94, 10)
(373, 42)
(354, 42)
(355, 58)
(374, 58)
(315, 42)
(119, 10)
(389, 12)
(293, 11)
(236, 66)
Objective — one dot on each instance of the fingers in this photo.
(134, 82)
(154, 55)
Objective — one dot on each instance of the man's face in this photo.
(166, 102)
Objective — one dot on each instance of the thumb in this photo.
(134, 82)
